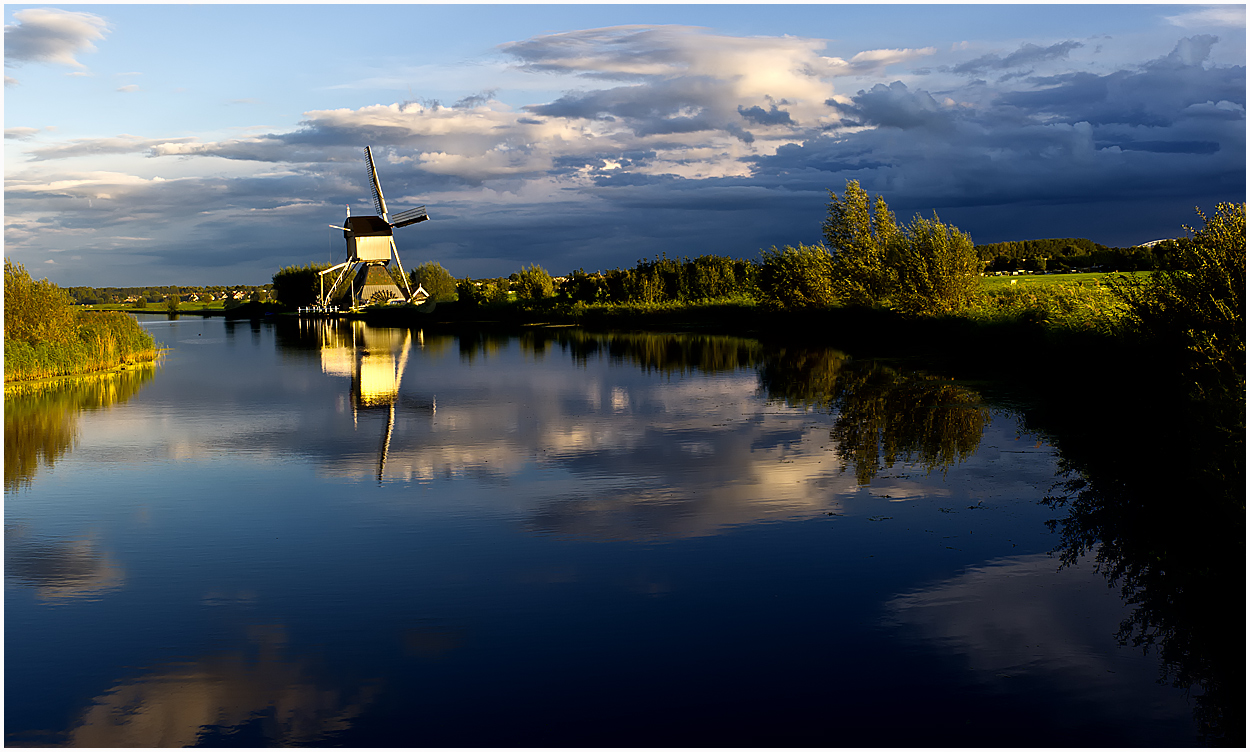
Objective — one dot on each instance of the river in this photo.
(322, 533)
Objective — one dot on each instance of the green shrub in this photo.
(44, 336)
(436, 280)
(797, 277)
(534, 283)
(1058, 306)
(299, 286)
(1198, 311)
(937, 267)
(35, 312)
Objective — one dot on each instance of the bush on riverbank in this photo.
(44, 336)
(299, 286)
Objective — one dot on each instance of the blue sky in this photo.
(213, 144)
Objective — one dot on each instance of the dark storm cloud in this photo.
(1170, 132)
(771, 116)
(895, 106)
(1028, 54)
(1157, 95)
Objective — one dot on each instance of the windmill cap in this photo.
(366, 226)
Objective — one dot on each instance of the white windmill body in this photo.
(370, 247)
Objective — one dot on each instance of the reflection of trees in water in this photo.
(41, 420)
(222, 700)
(665, 353)
(883, 415)
(1176, 550)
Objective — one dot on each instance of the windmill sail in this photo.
(379, 202)
(370, 248)
(410, 217)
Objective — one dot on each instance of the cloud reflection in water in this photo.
(184, 704)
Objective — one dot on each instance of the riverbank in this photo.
(46, 336)
(94, 343)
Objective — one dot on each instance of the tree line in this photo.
(867, 258)
(82, 295)
(1063, 254)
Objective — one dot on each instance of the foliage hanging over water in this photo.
(44, 336)
(1198, 311)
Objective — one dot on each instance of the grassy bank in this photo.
(98, 342)
(46, 336)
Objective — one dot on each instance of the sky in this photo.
(215, 144)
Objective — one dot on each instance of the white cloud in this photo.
(1220, 15)
(20, 134)
(48, 35)
(128, 88)
(123, 144)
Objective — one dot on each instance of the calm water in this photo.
(341, 535)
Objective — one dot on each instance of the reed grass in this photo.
(97, 341)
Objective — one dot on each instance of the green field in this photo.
(991, 284)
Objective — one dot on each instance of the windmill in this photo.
(370, 245)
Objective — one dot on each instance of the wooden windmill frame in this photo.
(371, 243)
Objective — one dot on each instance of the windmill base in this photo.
(374, 286)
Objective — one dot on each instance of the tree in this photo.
(1197, 311)
(468, 293)
(862, 243)
(436, 280)
(938, 269)
(583, 287)
(712, 277)
(797, 277)
(534, 283)
(299, 286)
(35, 312)
(496, 290)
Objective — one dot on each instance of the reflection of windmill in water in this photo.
(370, 246)
(375, 360)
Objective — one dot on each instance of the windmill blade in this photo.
(379, 201)
(410, 217)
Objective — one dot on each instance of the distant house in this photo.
(239, 295)
(194, 298)
(419, 295)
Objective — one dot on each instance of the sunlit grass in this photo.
(1090, 279)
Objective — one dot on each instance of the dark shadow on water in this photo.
(1170, 535)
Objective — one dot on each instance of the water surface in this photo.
(333, 534)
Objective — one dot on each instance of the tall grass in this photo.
(1057, 306)
(44, 336)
